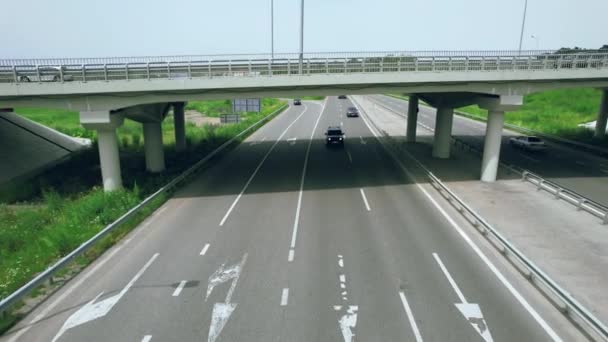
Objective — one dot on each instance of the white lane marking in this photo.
(363, 142)
(292, 141)
(222, 311)
(291, 255)
(341, 263)
(64, 295)
(93, 310)
(285, 297)
(342, 278)
(179, 288)
(204, 251)
(350, 158)
(476, 249)
(146, 338)
(342, 285)
(365, 200)
(236, 200)
(471, 311)
(296, 220)
(410, 317)
(450, 279)
(530, 158)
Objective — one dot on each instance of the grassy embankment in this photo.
(555, 112)
(66, 206)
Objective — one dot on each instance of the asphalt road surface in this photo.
(576, 170)
(285, 239)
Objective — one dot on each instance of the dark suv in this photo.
(352, 112)
(297, 102)
(334, 135)
(342, 97)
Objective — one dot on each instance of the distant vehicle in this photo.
(352, 112)
(334, 135)
(529, 143)
(43, 74)
(342, 97)
(297, 102)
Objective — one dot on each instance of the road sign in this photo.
(246, 105)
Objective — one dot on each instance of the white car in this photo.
(529, 143)
(43, 74)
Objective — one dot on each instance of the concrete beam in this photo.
(602, 117)
(443, 132)
(105, 124)
(412, 119)
(180, 126)
(153, 147)
(491, 149)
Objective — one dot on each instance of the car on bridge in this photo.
(529, 143)
(352, 112)
(297, 102)
(43, 74)
(334, 136)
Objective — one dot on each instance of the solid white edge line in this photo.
(204, 251)
(350, 158)
(285, 297)
(479, 253)
(236, 200)
(450, 279)
(410, 317)
(365, 200)
(291, 255)
(146, 338)
(296, 220)
(179, 288)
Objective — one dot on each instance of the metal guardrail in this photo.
(6, 303)
(568, 305)
(581, 202)
(187, 67)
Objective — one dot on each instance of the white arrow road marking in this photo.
(222, 311)
(146, 338)
(471, 311)
(348, 321)
(292, 141)
(91, 310)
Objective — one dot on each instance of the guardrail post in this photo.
(529, 62)
(580, 203)
(148, 70)
(345, 61)
(399, 65)
(514, 63)
(450, 63)
(190, 70)
(169, 70)
(433, 63)
(415, 64)
(308, 66)
(269, 68)
(483, 63)
(524, 176)
(38, 73)
(127, 71)
(605, 218)
(382, 65)
(249, 64)
(209, 68)
(15, 73)
(288, 66)
(105, 72)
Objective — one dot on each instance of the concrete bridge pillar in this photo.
(153, 147)
(412, 118)
(491, 149)
(443, 132)
(105, 124)
(602, 116)
(180, 126)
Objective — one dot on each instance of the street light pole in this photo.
(301, 35)
(272, 28)
(523, 23)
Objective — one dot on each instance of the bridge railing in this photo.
(186, 67)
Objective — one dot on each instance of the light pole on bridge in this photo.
(272, 29)
(523, 23)
(301, 35)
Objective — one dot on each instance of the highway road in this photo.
(576, 170)
(284, 239)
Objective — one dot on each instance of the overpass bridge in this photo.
(105, 90)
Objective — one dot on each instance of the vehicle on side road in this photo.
(334, 136)
(342, 97)
(297, 102)
(352, 112)
(529, 143)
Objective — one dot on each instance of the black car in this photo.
(297, 102)
(352, 112)
(342, 97)
(334, 135)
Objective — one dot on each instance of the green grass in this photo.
(66, 205)
(213, 108)
(555, 112)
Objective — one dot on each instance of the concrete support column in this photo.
(109, 159)
(153, 147)
(412, 119)
(443, 132)
(180, 126)
(105, 124)
(491, 147)
(602, 117)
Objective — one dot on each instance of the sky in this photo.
(77, 28)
